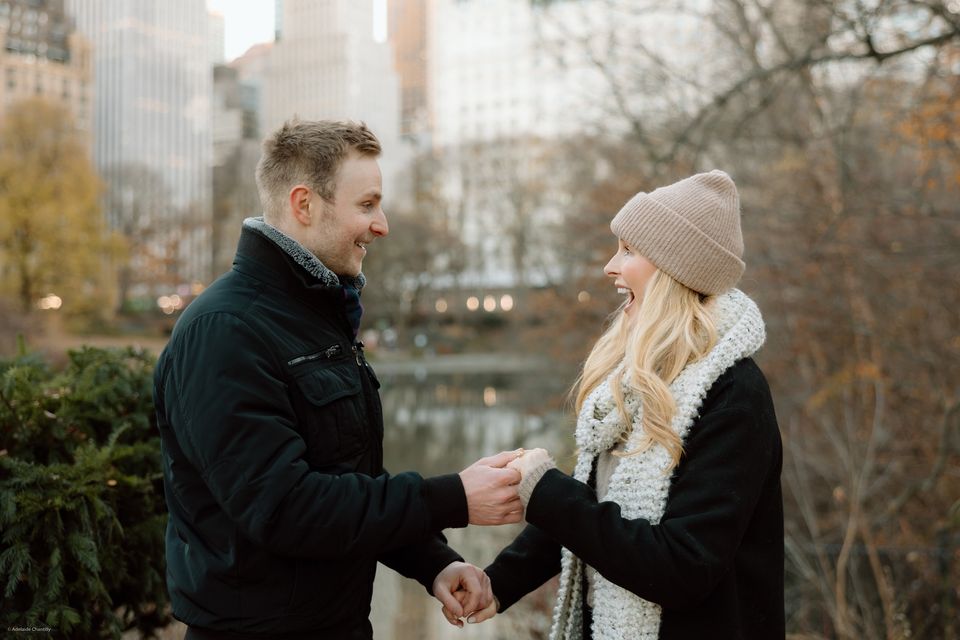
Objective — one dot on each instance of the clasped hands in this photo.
(491, 486)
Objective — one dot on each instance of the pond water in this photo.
(441, 424)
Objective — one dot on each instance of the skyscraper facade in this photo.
(41, 55)
(408, 23)
(217, 37)
(511, 79)
(236, 144)
(152, 133)
(501, 68)
(327, 64)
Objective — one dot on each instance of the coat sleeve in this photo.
(528, 562)
(422, 561)
(239, 432)
(732, 453)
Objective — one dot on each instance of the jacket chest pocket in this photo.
(332, 412)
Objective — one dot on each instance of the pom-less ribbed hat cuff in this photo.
(676, 246)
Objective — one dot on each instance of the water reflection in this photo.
(441, 424)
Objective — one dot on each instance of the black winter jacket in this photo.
(714, 562)
(272, 437)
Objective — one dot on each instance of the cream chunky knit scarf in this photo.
(639, 484)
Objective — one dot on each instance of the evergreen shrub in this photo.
(82, 515)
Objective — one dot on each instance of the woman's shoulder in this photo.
(742, 385)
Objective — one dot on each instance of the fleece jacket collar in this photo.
(302, 256)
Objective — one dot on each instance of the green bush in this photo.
(82, 515)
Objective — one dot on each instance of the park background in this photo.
(513, 130)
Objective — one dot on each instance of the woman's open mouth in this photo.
(628, 293)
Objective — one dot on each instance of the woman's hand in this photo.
(531, 466)
(530, 460)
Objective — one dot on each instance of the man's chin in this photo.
(350, 273)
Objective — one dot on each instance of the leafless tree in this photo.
(839, 122)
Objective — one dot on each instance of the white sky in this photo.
(249, 22)
(246, 23)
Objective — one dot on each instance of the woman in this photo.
(672, 524)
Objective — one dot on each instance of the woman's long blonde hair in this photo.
(672, 329)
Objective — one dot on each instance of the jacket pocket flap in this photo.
(323, 386)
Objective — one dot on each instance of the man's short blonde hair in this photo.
(308, 152)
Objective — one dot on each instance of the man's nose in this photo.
(379, 226)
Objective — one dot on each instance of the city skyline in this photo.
(246, 24)
(152, 134)
(254, 22)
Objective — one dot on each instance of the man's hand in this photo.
(462, 589)
(492, 490)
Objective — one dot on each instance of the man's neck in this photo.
(304, 258)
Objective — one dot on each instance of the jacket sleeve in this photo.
(422, 561)
(239, 432)
(529, 561)
(732, 453)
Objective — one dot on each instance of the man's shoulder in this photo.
(222, 307)
(230, 294)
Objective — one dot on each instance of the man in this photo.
(272, 428)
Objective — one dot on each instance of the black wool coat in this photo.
(714, 562)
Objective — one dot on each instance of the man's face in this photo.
(345, 227)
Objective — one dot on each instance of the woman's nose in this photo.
(612, 267)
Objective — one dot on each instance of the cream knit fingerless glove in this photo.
(531, 478)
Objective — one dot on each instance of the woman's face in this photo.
(630, 272)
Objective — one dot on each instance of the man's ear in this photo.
(300, 204)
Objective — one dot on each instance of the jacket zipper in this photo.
(374, 414)
(327, 354)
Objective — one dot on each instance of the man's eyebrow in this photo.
(372, 193)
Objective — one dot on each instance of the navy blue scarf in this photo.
(354, 309)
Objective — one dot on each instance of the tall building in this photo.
(152, 133)
(407, 25)
(497, 94)
(253, 67)
(507, 79)
(236, 145)
(327, 64)
(501, 68)
(217, 38)
(278, 19)
(42, 55)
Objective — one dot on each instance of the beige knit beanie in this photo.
(689, 230)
